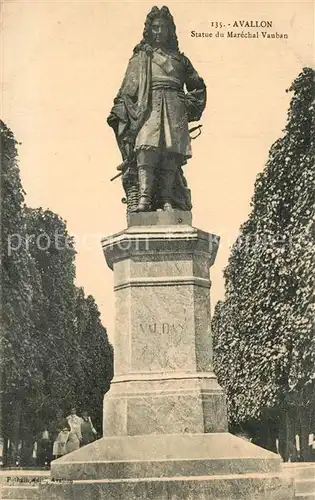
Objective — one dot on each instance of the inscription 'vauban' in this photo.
(165, 328)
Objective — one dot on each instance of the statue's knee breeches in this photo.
(148, 158)
(164, 160)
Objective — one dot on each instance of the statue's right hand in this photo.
(148, 49)
(111, 119)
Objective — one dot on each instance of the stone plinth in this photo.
(163, 381)
(165, 455)
(214, 466)
(159, 218)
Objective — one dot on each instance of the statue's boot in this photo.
(146, 180)
(167, 183)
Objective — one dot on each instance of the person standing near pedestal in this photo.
(44, 447)
(88, 431)
(75, 436)
(151, 113)
(59, 430)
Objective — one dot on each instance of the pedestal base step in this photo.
(16, 484)
(165, 455)
(169, 467)
(220, 487)
(20, 492)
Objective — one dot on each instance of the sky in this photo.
(62, 64)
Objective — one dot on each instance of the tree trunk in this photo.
(27, 453)
(15, 432)
(287, 446)
(305, 430)
(5, 452)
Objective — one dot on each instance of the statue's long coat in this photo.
(152, 105)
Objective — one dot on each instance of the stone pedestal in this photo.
(165, 423)
(163, 381)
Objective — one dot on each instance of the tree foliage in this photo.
(264, 340)
(21, 294)
(54, 350)
(96, 355)
(53, 251)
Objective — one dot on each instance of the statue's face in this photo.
(159, 32)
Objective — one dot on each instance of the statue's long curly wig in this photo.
(163, 13)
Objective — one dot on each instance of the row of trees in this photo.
(263, 331)
(54, 350)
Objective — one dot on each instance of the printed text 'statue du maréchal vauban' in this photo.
(239, 34)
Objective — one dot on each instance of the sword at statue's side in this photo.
(125, 164)
(193, 129)
(122, 168)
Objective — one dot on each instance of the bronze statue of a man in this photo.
(160, 94)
